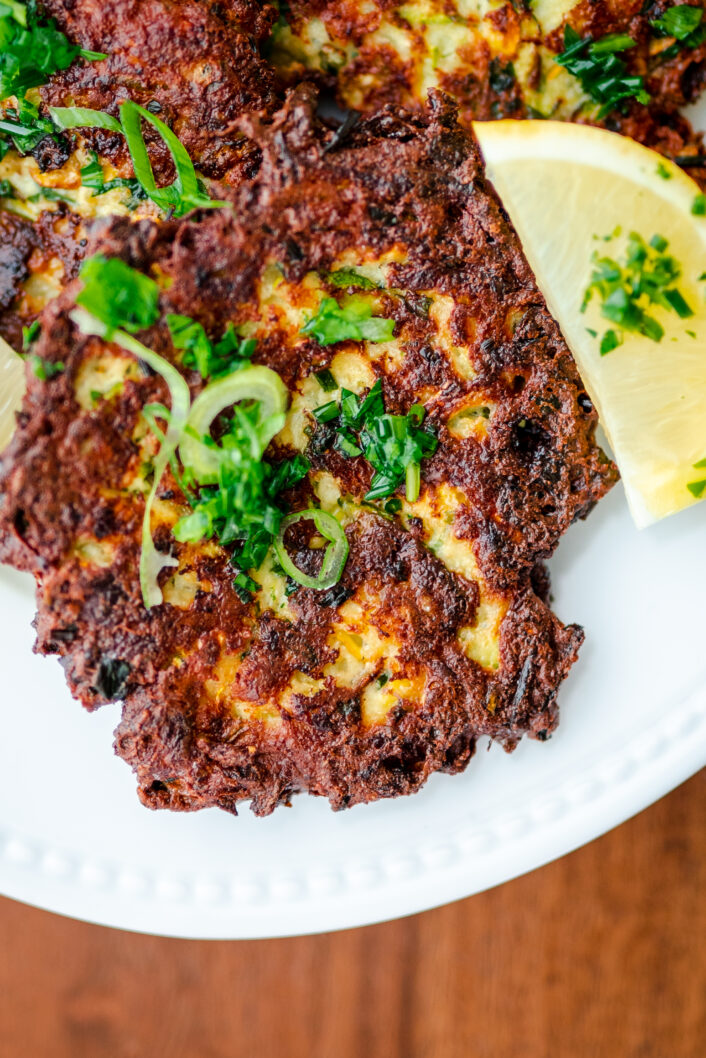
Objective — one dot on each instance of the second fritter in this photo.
(435, 422)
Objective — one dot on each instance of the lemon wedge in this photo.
(576, 194)
(12, 386)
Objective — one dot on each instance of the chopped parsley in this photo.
(646, 277)
(603, 75)
(698, 206)
(394, 445)
(353, 321)
(698, 488)
(32, 48)
(211, 360)
(232, 489)
(685, 24)
(45, 370)
(30, 334)
(118, 295)
(663, 171)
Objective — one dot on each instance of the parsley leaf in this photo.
(647, 277)
(117, 294)
(353, 321)
(32, 48)
(603, 75)
(211, 360)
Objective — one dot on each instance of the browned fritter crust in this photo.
(195, 65)
(17, 240)
(56, 240)
(373, 73)
(399, 180)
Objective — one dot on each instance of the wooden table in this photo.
(601, 955)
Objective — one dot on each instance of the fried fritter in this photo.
(497, 58)
(438, 631)
(194, 65)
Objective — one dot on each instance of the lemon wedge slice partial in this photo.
(12, 387)
(579, 196)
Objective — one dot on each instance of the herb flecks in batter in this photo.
(348, 277)
(646, 278)
(394, 445)
(353, 321)
(92, 177)
(603, 75)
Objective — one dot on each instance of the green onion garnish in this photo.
(152, 561)
(326, 380)
(335, 555)
(185, 193)
(394, 445)
(259, 384)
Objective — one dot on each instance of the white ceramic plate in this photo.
(74, 839)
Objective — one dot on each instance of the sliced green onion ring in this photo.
(152, 561)
(335, 555)
(256, 383)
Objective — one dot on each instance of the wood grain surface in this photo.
(600, 955)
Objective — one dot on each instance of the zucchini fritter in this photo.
(497, 58)
(194, 65)
(438, 631)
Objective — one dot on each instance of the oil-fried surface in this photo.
(439, 631)
(495, 57)
(195, 65)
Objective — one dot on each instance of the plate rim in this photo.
(616, 788)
